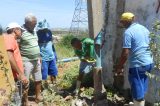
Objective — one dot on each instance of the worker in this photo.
(30, 52)
(136, 46)
(84, 49)
(47, 51)
(14, 32)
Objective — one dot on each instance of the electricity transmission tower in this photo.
(80, 18)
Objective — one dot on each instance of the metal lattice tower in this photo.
(80, 17)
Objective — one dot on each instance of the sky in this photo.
(58, 13)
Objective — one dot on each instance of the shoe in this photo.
(139, 103)
(131, 104)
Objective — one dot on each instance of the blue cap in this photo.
(42, 25)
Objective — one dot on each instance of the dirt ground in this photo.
(61, 69)
(68, 98)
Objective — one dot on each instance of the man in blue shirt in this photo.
(136, 45)
(47, 52)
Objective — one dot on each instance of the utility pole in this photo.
(80, 18)
(95, 18)
(90, 19)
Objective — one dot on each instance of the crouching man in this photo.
(84, 49)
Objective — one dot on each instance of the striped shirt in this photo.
(28, 45)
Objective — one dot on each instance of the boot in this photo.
(78, 84)
(139, 103)
(131, 104)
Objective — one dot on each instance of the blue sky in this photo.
(58, 13)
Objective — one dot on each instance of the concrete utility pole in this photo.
(90, 19)
(95, 18)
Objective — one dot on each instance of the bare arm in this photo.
(15, 67)
(123, 59)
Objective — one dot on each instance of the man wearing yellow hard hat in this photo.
(136, 47)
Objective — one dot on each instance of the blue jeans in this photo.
(49, 68)
(139, 81)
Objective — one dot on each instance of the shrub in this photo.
(155, 48)
(63, 48)
(66, 41)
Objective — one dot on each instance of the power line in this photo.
(80, 17)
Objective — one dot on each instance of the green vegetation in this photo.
(50, 98)
(70, 70)
(63, 48)
(155, 48)
(65, 42)
(68, 74)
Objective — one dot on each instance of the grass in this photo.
(67, 75)
(67, 71)
(63, 48)
(63, 52)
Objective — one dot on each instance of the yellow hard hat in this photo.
(127, 16)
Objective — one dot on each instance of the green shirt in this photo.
(87, 49)
(28, 45)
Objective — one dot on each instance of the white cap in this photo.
(13, 25)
